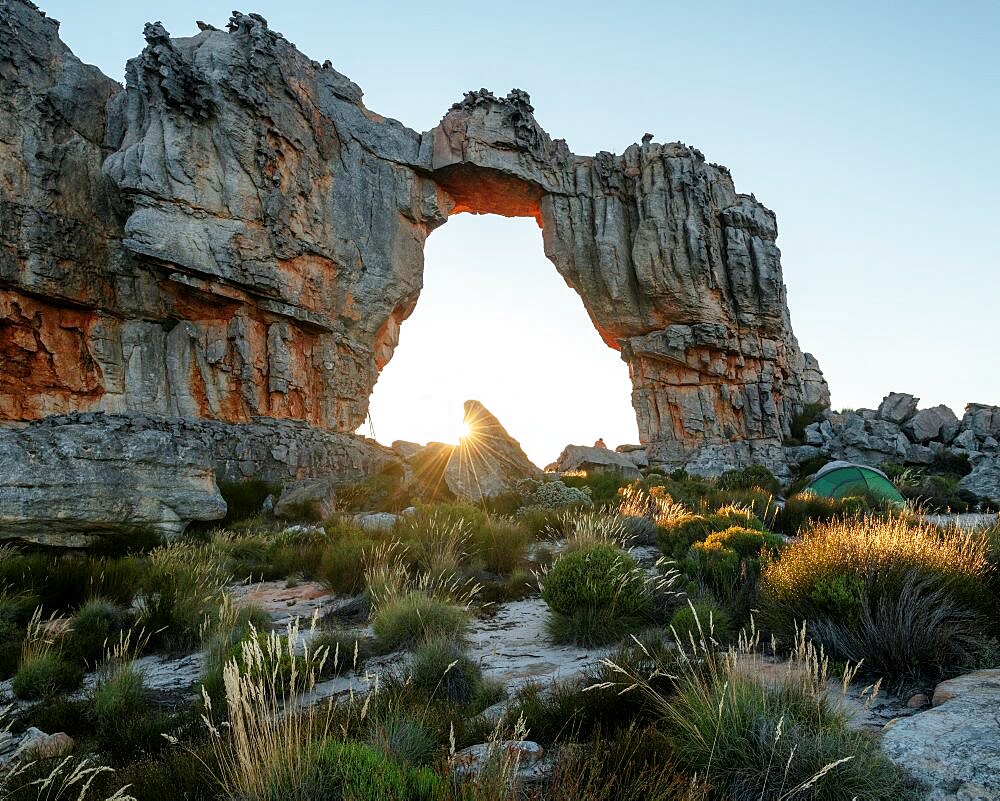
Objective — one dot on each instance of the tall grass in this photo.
(751, 736)
(910, 599)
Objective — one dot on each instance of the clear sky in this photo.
(871, 129)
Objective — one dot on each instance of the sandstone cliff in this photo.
(234, 236)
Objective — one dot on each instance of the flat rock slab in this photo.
(954, 747)
(514, 648)
(285, 603)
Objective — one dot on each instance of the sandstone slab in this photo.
(584, 459)
(954, 747)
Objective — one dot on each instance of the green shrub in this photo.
(403, 737)
(244, 499)
(500, 545)
(45, 673)
(382, 492)
(443, 672)
(807, 508)
(62, 583)
(728, 563)
(182, 590)
(554, 494)
(347, 650)
(15, 612)
(911, 600)
(677, 537)
(595, 595)
(359, 772)
(601, 485)
(125, 725)
(702, 620)
(751, 740)
(342, 563)
(752, 477)
(416, 617)
(94, 624)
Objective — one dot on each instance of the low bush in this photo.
(553, 495)
(728, 564)
(911, 600)
(45, 673)
(807, 508)
(359, 772)
(62, 583)
(752, 477)
(403, 737)
(125, 724)
(415, 617)
(93, 625)
(500, 545)
(783, 738)
(181, 592)
(596, 594)
(342, 563)
(442, 671)
(601, 485)
(347, 650)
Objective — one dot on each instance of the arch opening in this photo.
(496, 322)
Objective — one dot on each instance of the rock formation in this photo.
(235, 237)
(487, 462)
(581, 458)
(900, 433)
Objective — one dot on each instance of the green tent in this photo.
(839, 479)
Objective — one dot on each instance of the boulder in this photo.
(981, 420)
(64, 485)
(377, 521)
(307, 498)
(586, 459)
(487, 462)
(524, 758)
(966, 439)
(898, 407)
(954, 747)
(928, 424)
(984, 480)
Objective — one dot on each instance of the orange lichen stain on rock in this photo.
(47, 366)
(309, 280)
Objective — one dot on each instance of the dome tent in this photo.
(840, 479)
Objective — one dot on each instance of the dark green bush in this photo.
(404, 737)
(596, 594)
(126, 726)
(752, 477)
(914, 602)
(416, 617)
(728, 564)
(95, 624)
(62, 583)
(806, 508)
(346, 650)
(442, 671)
(359, 772)
(811, 413)
(341, 564)
(603, 485)
(45, 674)
(382, 492)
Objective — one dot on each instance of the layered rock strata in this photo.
(233, 235)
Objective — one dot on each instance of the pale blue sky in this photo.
(871, 132)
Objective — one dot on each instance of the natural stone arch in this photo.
(254, 240)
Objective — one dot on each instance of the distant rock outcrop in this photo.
(581, 458)
(900, 433)
(235, 235)
(486, 463)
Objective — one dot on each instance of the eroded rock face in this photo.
(236, 236)
(67, 484)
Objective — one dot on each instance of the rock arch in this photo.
(235, 236)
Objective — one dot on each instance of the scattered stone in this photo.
(527, 756)
(917, 701)
(377, 521)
